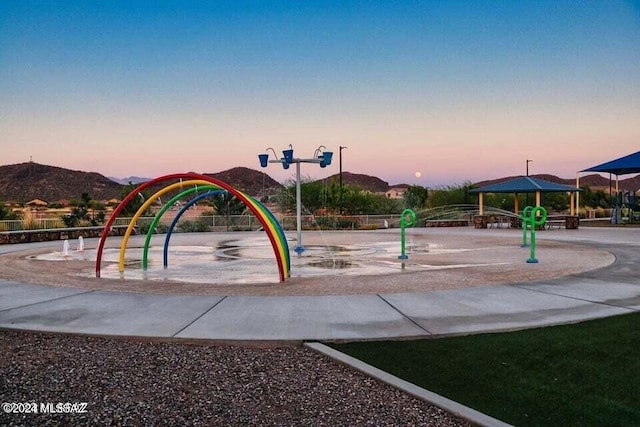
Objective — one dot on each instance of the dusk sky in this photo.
(459, 91)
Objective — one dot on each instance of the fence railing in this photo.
(31, 224)
(227, 223)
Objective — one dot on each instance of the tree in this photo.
(504, 201)
(595, 199)
(318, 195)
(80, 213)
(556, 202)
(6, 213)
(314, 195)
(227, 204)
(452, 195)
(415, 197)
(134, 204)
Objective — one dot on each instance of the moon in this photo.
(418, 174)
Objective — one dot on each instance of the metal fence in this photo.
(31, 224)
(228, 223)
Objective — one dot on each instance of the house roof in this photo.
(37, 202)
(620, 166)
(525, 184)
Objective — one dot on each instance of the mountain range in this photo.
(23, 182)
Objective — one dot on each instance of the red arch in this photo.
(190, 175)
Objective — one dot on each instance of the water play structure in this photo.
(532, 218)
(407, 219)
(320, 157)
(270, 225)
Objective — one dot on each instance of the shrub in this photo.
(143, 228)
(197, 226)
(29, 221)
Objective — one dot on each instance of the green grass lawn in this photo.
(586, 374)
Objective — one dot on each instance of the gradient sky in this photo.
(459, 90)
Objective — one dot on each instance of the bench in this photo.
(502, 221)
(446, 223)
(555, 221)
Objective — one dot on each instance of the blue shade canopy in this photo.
(622, 166)
(525, 184)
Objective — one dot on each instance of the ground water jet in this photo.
(65, 248)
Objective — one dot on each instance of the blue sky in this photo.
(461, 90)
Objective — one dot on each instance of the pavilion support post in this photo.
(572, 210)
(577, 194)
(538, 201)
(480, 203)
(516, 208)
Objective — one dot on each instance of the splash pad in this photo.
(337, 263)
(244, 258)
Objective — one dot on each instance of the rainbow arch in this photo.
(272, 227)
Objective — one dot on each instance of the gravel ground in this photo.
(129, 382)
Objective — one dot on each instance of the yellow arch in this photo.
(145, 205)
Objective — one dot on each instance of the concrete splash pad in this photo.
(335, 263)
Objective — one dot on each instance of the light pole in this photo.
(340, 196)
(528, 161)
(323, 158)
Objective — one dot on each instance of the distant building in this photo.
(37, 203)
(396, 192)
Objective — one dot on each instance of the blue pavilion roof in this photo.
(621, 166)
(525, 184)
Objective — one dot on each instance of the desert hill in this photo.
(27, 181)
(366, 182)
(23, 182)
(250, 181)
(129, 179)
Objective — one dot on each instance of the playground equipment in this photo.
(265, 217)
(532, 218)
(407, 219)
(625, 209)
(320, 157)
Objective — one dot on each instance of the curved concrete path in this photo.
(605, 292)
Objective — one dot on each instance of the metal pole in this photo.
(340, 195)
(578, 194)
(299, 248)
(528, 175)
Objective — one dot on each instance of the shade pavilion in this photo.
(525, 184)
(621, 166)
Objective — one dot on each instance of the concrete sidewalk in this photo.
(605, 292)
